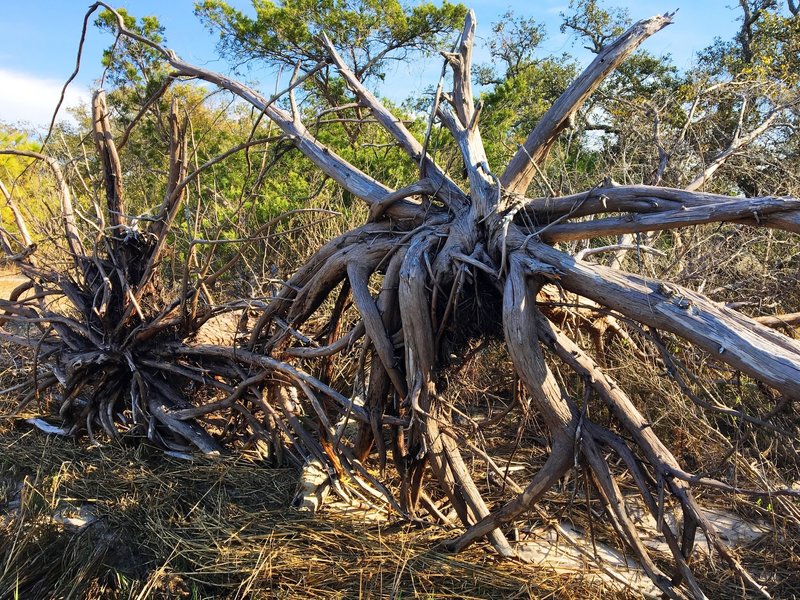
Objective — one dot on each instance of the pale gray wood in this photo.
(521, 169)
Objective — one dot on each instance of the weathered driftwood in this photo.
(432, 244)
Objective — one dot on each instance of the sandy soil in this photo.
(8, 283)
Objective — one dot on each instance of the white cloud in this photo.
(31, 100)
(557, 9)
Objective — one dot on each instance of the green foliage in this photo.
(775, 49)
(737, 84)
(607, 126)
(514, 106)
(614, 135)
(595, 25)
(643, 76)
(513, 43)
(523, 85)
(369, 31)
(24, 178)
(765, 48)
(133, 69)
(12, 167)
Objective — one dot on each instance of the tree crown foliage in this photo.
(367, 32)
(132, 69)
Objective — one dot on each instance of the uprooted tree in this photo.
(454, 257)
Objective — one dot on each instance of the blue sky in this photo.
(38, 43)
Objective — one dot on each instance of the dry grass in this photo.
(168, 528)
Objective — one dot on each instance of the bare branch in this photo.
(727, 335)
(755, 211)
(65, 197)
(18, 218)
(520, 171)
(345, 174)
(107, 150)
(444, 187)
(739, 141)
